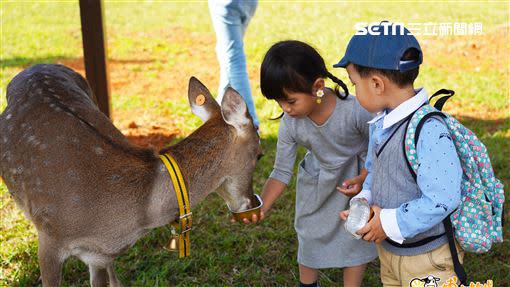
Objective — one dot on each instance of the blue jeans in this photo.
(230, 19)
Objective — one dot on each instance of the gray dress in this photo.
(336, 151)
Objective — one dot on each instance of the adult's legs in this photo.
(229, 24)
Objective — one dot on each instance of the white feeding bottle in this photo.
(359, 214)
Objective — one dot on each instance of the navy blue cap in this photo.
(382, 47)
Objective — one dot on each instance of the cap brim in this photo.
(342, 64)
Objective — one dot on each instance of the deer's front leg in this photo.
(114, 282)
(98, 276)
(51, 260)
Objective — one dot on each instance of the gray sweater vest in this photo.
(393, 185)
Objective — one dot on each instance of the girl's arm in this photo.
(282, 172)
(353, 186)
(273, 188)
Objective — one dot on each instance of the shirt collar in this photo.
(406, 108)
(377, 117)
(402, 111)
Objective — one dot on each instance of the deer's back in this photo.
(62, 159)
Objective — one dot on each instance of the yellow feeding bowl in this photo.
(239, 216)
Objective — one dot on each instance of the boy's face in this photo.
(366, 92)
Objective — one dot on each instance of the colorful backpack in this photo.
(477, 222)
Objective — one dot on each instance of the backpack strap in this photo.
(418, 119)
(413, 130)
(441, 101)
(457, 266)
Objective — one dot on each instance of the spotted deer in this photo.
(92, 194)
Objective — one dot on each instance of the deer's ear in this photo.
(234, 110)
(201, 102)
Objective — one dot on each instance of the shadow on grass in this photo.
(239, 255)
(495, 134)
(25, 62)
(494, 264)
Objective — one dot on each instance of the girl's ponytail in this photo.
(339, 83)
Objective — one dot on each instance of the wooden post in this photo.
(95, 51)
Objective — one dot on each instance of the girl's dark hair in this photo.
(293, 66)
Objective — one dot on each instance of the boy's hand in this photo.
(254, 218)
(352, 186)
(373, 230)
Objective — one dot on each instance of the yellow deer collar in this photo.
(184, 222)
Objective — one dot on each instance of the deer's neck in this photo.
(200, 158)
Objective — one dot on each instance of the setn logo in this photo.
(381, 28)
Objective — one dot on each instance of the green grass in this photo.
(163, 43)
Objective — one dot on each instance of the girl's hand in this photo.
(351, 187)
(273, 188)
(344, 214)
(254, 218)
(373, 230)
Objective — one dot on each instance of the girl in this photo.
(333, 128)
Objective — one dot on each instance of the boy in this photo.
(408, 211)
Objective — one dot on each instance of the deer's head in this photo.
(232, 139)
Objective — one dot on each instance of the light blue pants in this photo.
(230, 19)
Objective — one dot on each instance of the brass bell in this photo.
(173, 244)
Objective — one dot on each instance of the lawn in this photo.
(155, 46)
